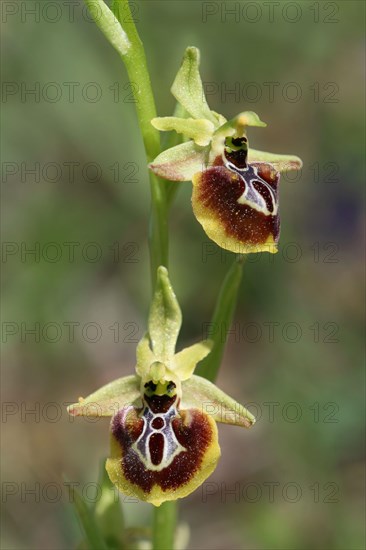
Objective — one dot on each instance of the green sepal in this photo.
(109, 25)
(282, 163)
(202, 394)
(165, 318)
(108, 399)
(181, 162)
(188, 90)
(200, 130)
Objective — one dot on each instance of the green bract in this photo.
(109, 25)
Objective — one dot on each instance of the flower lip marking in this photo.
(157, 423)
(258, 194)
(157, 445)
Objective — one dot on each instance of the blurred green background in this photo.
(295, 353)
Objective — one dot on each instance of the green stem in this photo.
(158, 227)
(135, 62)
(129, 46)
(164, 518)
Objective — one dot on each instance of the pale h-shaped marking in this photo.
(251, 196)
(172, 447)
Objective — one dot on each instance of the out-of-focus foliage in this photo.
(295, 480)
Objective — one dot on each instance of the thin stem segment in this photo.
(164, 518)
(135, 62)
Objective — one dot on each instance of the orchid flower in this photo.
(235, 188)
(164, 440)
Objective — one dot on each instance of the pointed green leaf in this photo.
(181, 162)
(187, 87)
(165, 318)
(205, 396)
(94, 537)
(221, 319)
(109, 399)
(200, 130)
(186, 360)
(108, 511)
(109, 25)
(282, 163)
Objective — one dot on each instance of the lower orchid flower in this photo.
(235, 188)
(164, 440)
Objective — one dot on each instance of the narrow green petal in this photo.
(282, 163)
(187, 87)
(200, 130)
(144, 356)
(181, 162)
(186, 360)
(249, 118)
(165, 318)
(109, 399)
(109, 25)
(239, 123)
(205, 396)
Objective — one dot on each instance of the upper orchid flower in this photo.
(235, 188)
(164, 440)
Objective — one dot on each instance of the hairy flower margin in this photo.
(164, 440)
(235, 188)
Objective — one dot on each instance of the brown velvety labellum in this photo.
(220, 189)
(192, 430)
